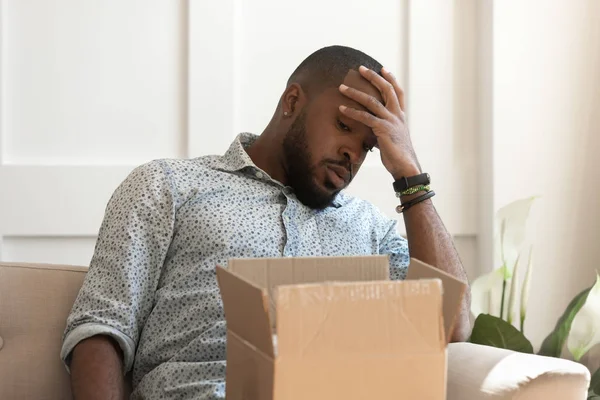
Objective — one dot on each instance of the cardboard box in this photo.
(336, 328)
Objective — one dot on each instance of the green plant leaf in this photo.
(493, 331)
(585, 329)
(594, 389)
(553, 344)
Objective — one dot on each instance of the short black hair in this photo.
(327, 67)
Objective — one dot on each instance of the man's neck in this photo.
(266, 154)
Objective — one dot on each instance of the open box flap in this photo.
(246, 310)
(454, 290)
(269, 273)
(272, 272)
(360, 319)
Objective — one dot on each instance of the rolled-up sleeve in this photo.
(118, 292)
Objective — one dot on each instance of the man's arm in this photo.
(117, 295)
(97, 370)
(428, 239)
(430, 242)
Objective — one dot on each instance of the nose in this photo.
(354, 153)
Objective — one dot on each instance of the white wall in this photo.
(502, 102)
(88, 90)
(92, 89)
(87, 83)
(546, 119)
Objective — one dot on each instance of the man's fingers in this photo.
(370, 102)
(385, 88)
(361, 116)
(396, 85)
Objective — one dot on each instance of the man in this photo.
(150, 302)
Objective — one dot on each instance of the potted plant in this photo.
(495, 296)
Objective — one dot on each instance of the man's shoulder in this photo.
(179, 167)
(186, 164)
(178, 174)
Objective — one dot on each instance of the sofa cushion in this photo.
(478, 372)
(35, 301)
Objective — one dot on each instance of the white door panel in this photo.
(91, 82)
(212, 122)
(91, 89)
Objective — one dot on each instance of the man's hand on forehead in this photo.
(383, 100)
(354, 79)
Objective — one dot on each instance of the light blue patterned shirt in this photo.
(151, 283)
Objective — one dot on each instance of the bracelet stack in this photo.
(405, 206)
(412, 185)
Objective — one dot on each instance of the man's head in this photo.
(322, 148)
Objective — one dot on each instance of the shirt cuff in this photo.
(92, 329)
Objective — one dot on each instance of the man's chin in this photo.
(317, 199)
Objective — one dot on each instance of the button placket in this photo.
(291, 232)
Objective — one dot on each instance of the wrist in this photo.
(412, 190)
(407, 198)
(406, 171)
(409, 201)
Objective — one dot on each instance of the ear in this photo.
(293, 99)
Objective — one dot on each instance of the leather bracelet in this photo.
(405, 206)
(400, 185)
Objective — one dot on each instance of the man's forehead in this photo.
(355, 80)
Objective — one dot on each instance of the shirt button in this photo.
(259, 175)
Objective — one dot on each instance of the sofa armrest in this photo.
(481, 372)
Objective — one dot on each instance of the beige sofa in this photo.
(36, 299)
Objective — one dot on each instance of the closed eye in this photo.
(346, 128)
(343, 126)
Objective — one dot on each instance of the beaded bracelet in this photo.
(413, 190)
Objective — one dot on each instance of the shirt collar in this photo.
(236, 158)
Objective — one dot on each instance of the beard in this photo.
(300, 172)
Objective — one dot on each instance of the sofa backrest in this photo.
(35, 301)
